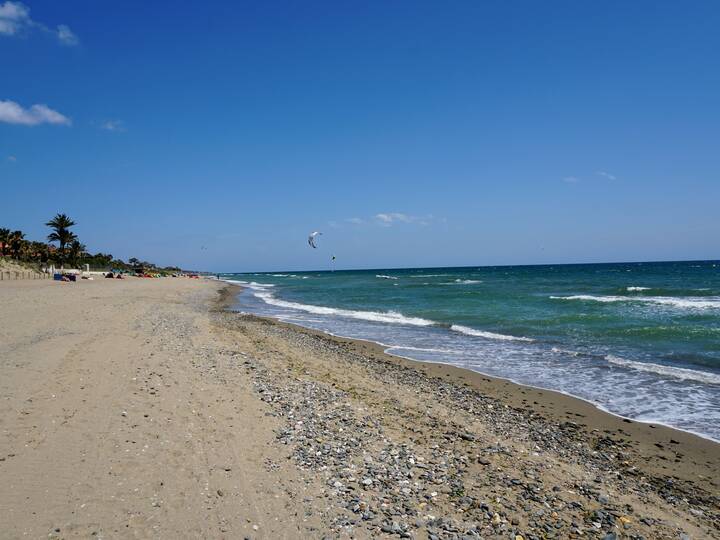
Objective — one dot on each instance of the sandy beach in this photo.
(144, 408)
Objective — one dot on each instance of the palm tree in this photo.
(17, 241)
(4, 241)
(61, 234)
(77, 250)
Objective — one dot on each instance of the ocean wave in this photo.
(383, 276)
(423, 349)
(679, 302)
(488, 335)
(669, 371)
(633, 289)
(687, 303)
(377, 316)
(467, 281)
(251, 284)
(593, 298)
(428, 275)
(568, 352)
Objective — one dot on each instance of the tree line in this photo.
(63, 247)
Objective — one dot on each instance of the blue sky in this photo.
(410, 133)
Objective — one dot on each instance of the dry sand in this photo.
(141, 408)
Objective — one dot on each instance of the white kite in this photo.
(311, 238)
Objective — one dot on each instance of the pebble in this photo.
(403, 482)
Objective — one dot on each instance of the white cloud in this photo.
(15, 19)
(66, 36)
(14, 16)
(12, 113)
(12, 159)
(113, 125)
(387, 219)
(393, 217)
(606, 175)
(571, 179)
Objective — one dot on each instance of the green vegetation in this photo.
(61, 234)
(69, 251)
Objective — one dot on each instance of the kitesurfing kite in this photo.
(311, 238)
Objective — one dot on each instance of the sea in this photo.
(640, 340)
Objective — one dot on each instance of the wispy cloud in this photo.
(12, 159)
(66, 36)
(387, 219)
(12, 113)
(15, 19)
(113, 125)
(571, 179)
(606, 175)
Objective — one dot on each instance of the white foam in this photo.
(387, 317)
(566, 351)
(691, 303)
(422, 349)
(675, 372)
(467, 281)
(255, 285)
(593, 298)
(631, 289)
(488, 335)
(382, 276)
(679, 302)
(252, 284)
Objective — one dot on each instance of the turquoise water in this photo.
(640, 339)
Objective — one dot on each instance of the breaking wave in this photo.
(422, 349)
(488, 335)
(682, 303)
(668, 371)
(386, 317)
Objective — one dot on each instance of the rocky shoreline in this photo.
(415, 451)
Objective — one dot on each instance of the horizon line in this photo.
(476, 266)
